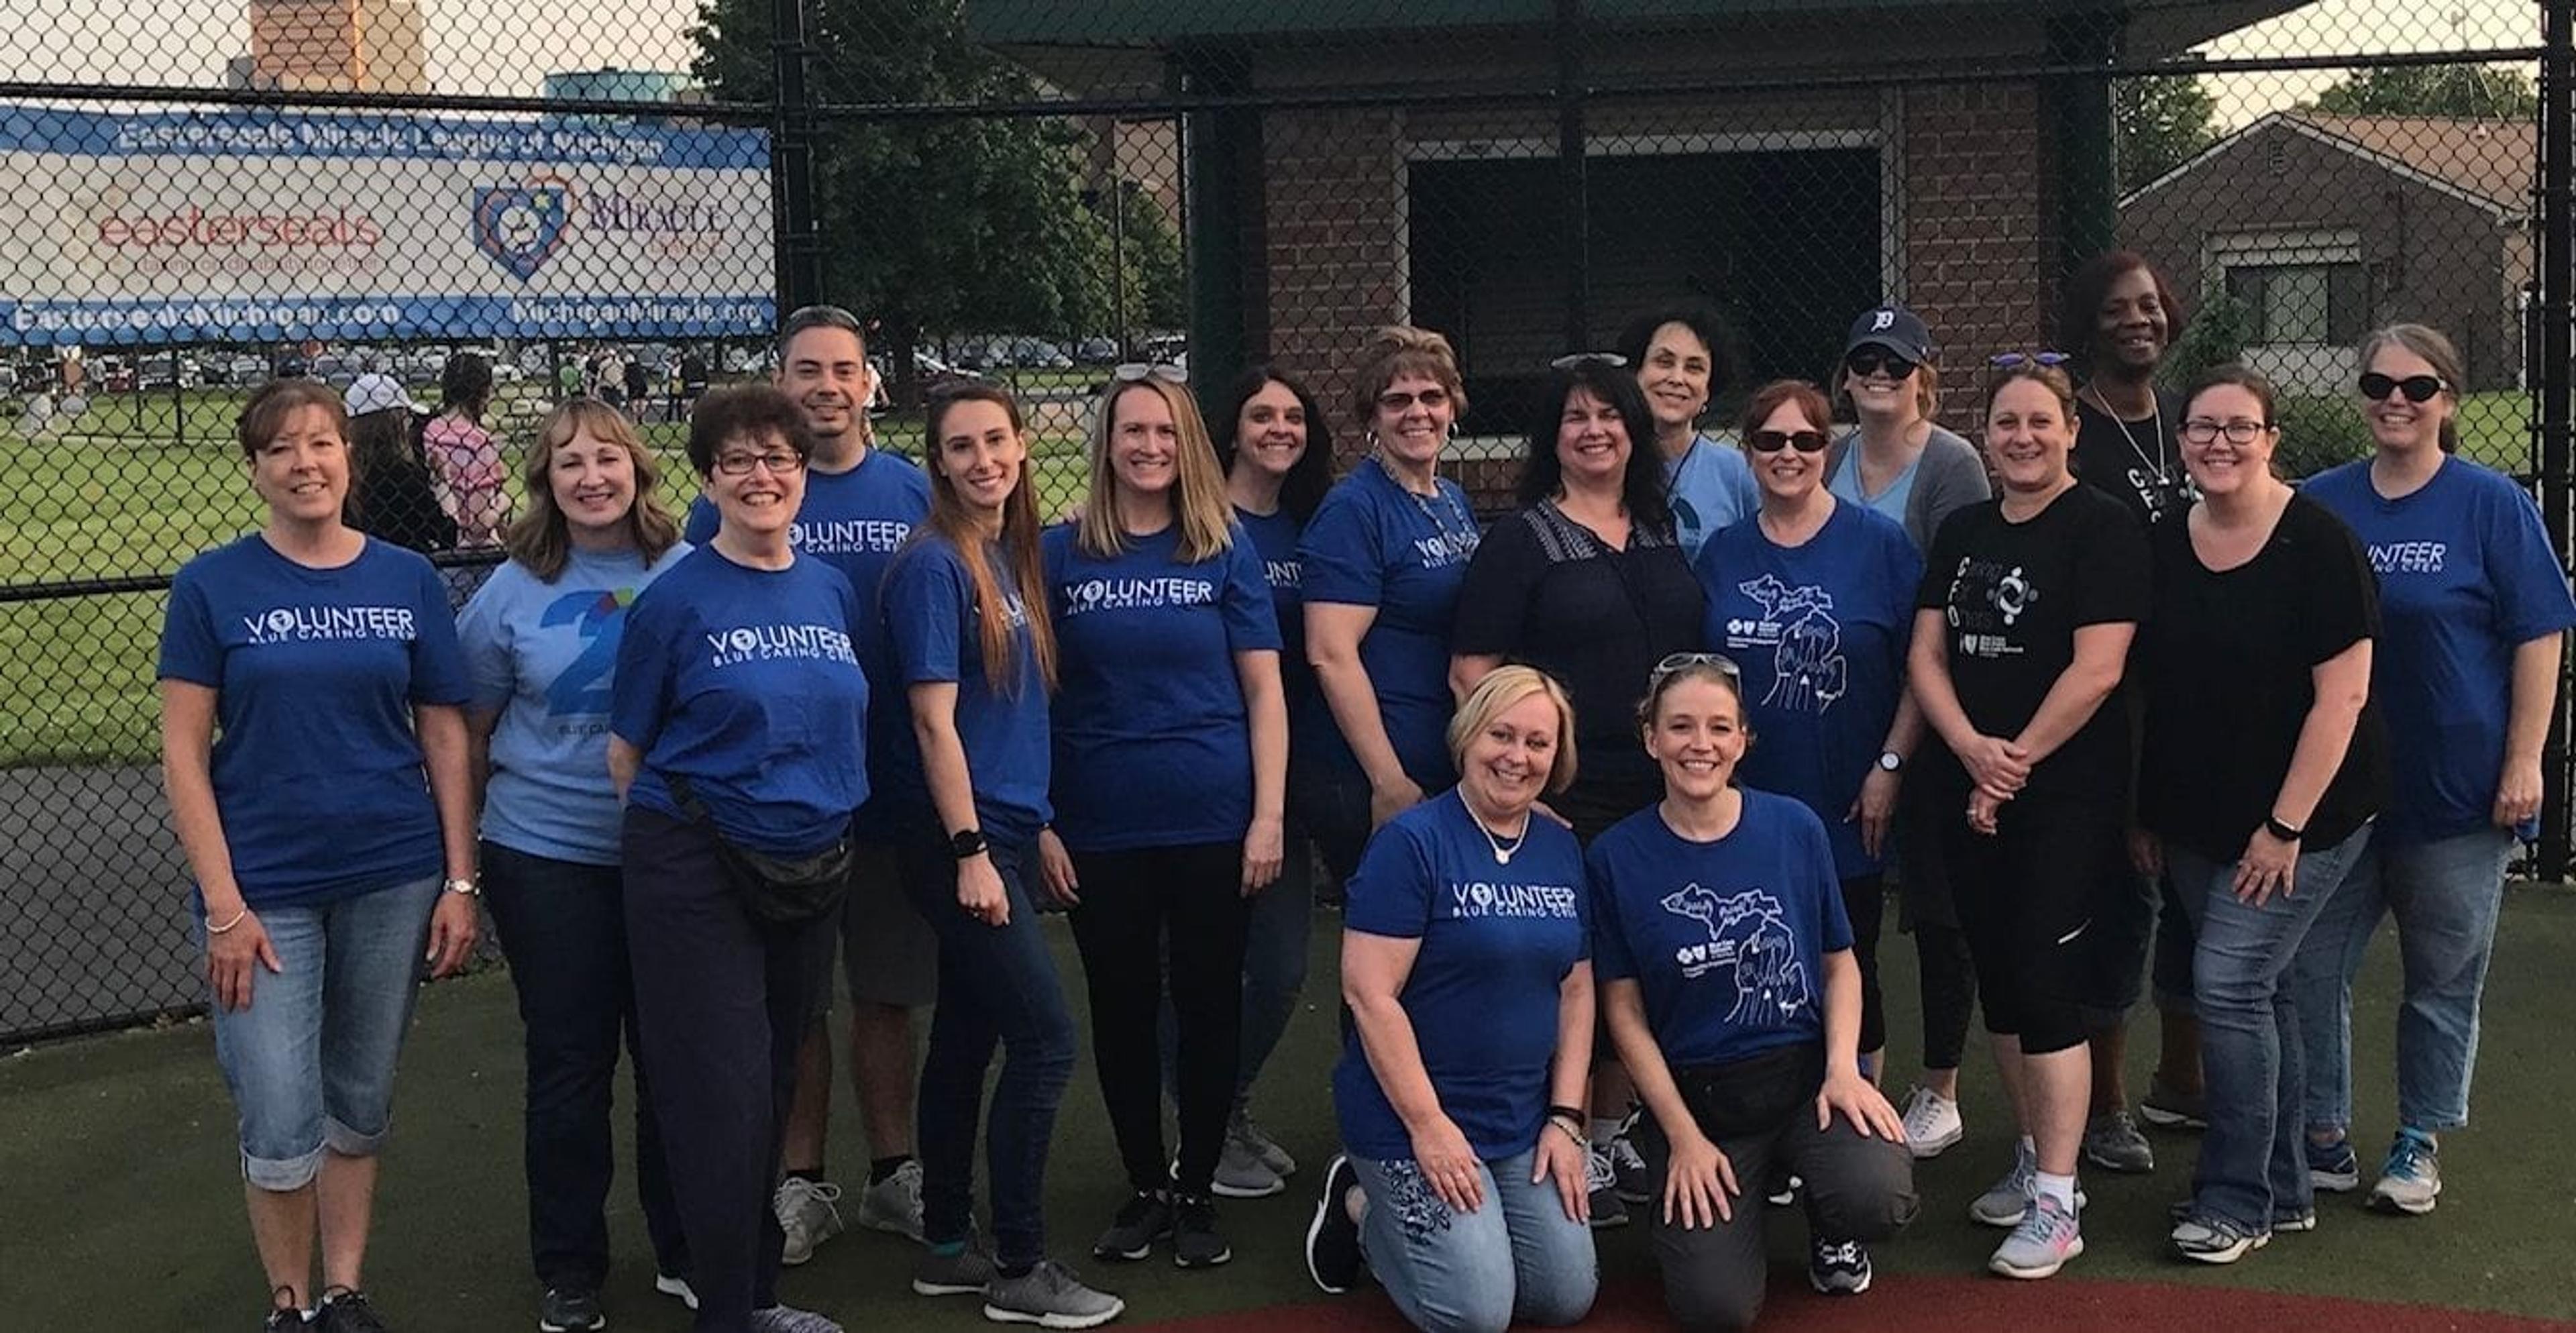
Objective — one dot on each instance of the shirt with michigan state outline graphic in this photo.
(543, 656)
(1726, 940)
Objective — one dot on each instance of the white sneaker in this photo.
(1932, 1123)
(894, 1203)
(808, 1211)
(677, 1288)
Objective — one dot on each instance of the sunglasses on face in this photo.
(1137, 372)
(1872, 359)
(1399, 401)
(2417, 388)
(1773, 441)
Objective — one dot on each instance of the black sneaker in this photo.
(284, 1319)
(1195, 1242)
(1838, 1267)
(1143, 1220)
(569, 1310)
(348, 1312)
(1333, 1239)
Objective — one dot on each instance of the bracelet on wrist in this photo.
(1573, 1130)
(238, 918)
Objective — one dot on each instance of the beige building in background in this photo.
(356, 46)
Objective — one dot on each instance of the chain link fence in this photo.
(619, 199)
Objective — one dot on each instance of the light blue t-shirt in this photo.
(1845, 483)
(542, 655)
(1710, 488)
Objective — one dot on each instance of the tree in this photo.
(2468, 92)
(939, 225)
(2157, 123)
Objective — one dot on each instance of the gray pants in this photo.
(1856, 1189)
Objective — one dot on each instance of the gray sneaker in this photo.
(1240, 1172)
(965, 1273)
(2113, 1142)
(2411, 1180)
(894, 1203)
(1049, 1296)
(2048, 1236)
(2006, 1201)
(809, 1212)
(2171, 1108)
(787, 1319)
(1243, 1127)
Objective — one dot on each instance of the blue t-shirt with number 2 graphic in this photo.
(542, 656)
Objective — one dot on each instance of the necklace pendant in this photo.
(1503, 855)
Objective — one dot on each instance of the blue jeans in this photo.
(997, 987)
(2445, 896)
(1517, 1259)
(2252, 1167)
(311, 1061)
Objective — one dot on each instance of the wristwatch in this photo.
(967, 842)
(1889, 761)
(464, 886)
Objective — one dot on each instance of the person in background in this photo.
(313, 747)
(540, 640)
(737, 737)
(1587, 582)
(1727, 975)
(861, 504)
(391, 493)
(1898, 461)
(976, 656)
(2475, 607)
(1277, 454)
(1678, 354)
(2119, 318)
(1466, 963)
(464, 459)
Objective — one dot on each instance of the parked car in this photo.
(337, 371)
(113, 374)
(1096, 351)
(1039, 354)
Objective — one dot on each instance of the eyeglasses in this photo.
(1718, 662)
(1573, 359)
(1398, 401)
(780, 462)
(1773, 441)
(2203, 430)
(2417, 388)
(1137, 372)
(1871, 359)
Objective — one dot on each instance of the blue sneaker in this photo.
(2411, 1180)
(2332, 1167)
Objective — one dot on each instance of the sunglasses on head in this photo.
(1137, 372)
(1718, 662)
(1773, 441)
(1871, 358)
(1573, 359)
(2417, 388)
(2017, 360)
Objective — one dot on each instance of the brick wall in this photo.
(1978, 260)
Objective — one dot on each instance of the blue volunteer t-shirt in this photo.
(1711, 488)
(1726, 940)
(542, 656)
(1821, 632)
(317, 771)
(746, 683)
(2465, 577)
(1373, 543)
(1497, 943)
(1153, 746)
(1274, 537)
(933, 635)
(854, 521)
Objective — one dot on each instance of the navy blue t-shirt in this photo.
(746, 683)
(317, 772)
(854, 521)
(2465, 577)
(1373, 543)
(1275, 536)
(1821, 632)
(1153, 746)
(1497, 943)
(933, 634)
(1726, 939)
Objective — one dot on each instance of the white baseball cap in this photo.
(376, 393)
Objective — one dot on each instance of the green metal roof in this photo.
(1170, 22)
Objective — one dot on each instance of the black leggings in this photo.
(1129, 898)
(1865, 902)
(1949, 985)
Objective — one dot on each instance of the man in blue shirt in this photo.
(860, 504)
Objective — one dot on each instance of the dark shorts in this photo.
(888, 953)
(2045, 903)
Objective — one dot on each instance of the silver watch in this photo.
(468, 887)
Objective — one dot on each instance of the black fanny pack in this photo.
(1755, 1095)
(782, 890)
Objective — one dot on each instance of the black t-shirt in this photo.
(2139, 462)
(2225, 663)
(2013, 595)
(1543, 590)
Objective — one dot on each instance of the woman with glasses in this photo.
(1727, 979)
(1276, 451)
(541, 639)
(313, 745)
(2021, 637)
(1679, 357)
(2474, 605)
(1170, 793)
(1588, 583)
(737, 738)
(975, 651)
(2261, 769)
(1382, 562)
(1466, 966)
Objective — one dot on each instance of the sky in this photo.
(503, 47)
